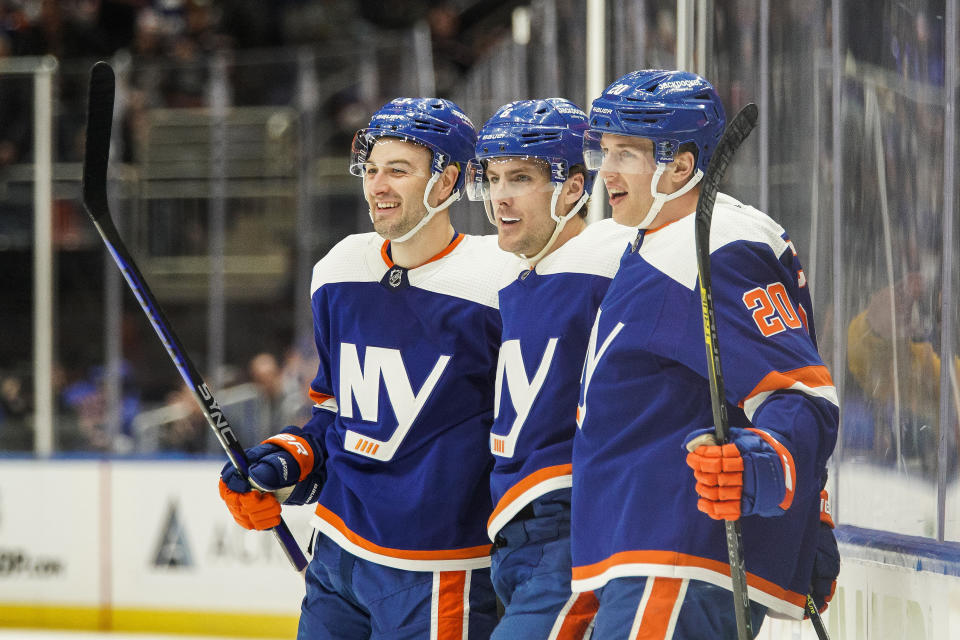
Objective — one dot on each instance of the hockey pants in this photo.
(349, 598)
(651, 608)
(531, 575)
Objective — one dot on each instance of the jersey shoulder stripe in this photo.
(672, 251)
(594, 251)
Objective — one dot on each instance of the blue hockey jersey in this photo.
(644, 388)
(404, 400)
(547, 313)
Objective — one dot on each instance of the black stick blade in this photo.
(97, 144)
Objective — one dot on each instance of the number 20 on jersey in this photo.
(772, 309)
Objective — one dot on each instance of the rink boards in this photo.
(138, 545)
(146, 545)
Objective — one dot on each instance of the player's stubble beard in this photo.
(396, 227)
(537, 235)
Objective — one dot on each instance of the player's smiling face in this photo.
(394, 178)
(520, 194)
(628, 166)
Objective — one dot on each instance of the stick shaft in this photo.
(738, 130)
(99, 119)
(735, 133)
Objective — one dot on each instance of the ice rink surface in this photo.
(45, 634)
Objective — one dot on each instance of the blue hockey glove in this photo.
(826, 564)
(287, 468)
(753, 474)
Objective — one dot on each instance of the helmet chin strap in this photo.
(560, 220)
(660, 198)
(431, 211)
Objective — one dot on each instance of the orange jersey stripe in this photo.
(813, 376)
(317, 397)
(659, 610)
(450, 247)
(577, 618)
(663, 226)
(527, 483)
(675, 559)
(450, 605)
(466, 553)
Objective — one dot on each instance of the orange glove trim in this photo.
(789, 468)
(298, 448)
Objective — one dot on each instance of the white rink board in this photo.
(50, 534)
(154, 536)
(876, 601)
(176, 546)
(141, 534)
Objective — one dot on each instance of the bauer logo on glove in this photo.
(753, 474)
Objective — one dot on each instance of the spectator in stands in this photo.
(188, 434)
(85, 400)
(900, 324)
(15, 410)
(282, 390)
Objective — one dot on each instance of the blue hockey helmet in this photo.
(550, 129)
(670, 108)
(439, 125)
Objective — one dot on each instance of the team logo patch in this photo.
(395, 278)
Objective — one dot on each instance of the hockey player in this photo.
(529, 172)
(407, 329)
(641, 538)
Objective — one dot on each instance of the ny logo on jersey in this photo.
(363, 385)
(523, 392)
(591, 361)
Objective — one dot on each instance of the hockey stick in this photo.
(95, 159)
(735, 133)
(815, 619)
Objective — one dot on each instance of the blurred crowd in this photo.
(266, 395)
(166, 50)
(171, 42)
(894, 65)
